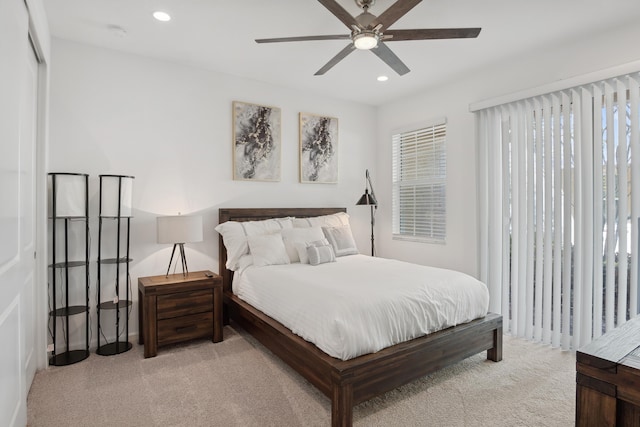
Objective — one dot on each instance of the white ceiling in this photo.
(219, 35)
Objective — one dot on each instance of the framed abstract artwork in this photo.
(256, 142)
(318, 149)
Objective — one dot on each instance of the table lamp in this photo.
(179, 229)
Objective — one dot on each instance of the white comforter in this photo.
(360, 304)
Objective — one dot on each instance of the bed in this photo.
(349, 382)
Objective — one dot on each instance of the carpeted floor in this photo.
(239, 383)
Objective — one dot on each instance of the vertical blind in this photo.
(419, 184)
(559, 191)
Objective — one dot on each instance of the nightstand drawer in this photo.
(180, 304)
(185, 328)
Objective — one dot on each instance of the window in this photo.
(419, 180)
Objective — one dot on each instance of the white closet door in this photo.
(28, 141)
(18, 86)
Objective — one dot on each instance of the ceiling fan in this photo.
(370, 32)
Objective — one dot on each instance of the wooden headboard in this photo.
(257, 214)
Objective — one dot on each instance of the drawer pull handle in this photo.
(186, 328)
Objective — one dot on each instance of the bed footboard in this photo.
(371, 375)
(350, 382)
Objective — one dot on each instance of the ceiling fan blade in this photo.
(395, 12)
(304, 38)
(431, 34)
(390, 58)
(339, 57)
(340, 13)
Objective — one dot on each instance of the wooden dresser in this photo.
(608, 379)
(178, 308)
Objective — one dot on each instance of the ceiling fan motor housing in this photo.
(364, 19)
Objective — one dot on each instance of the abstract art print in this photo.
(318, 149)
(256, 142)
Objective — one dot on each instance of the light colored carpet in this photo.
(239, 383)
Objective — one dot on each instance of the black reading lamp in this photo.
(369, 199)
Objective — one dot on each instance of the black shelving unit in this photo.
(67, 216)
(114, 223)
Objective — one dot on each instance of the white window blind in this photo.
(559, 192)
(419, 184)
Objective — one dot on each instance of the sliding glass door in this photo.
(560, 205)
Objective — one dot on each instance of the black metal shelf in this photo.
(69, 264)
(114, 226)
(115, 260)
(59, 218)
(69, 311)
(68, 357)
(114, 348)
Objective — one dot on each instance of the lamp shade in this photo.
(116, 195)
(68, 195)
(367, 199)
(179, 229)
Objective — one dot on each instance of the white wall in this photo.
(170, 126)
(452, 101)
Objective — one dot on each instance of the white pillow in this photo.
(320, 254)
(234, 235)
(291, 236)
(333, 220)
(268, 250)
(244, 262)
(341, 239)
(302, 249)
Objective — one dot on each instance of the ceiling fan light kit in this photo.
(365, 40)
(370, 32)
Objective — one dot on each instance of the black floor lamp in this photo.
(369, 198)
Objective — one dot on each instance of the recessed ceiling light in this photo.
(383, 78)
(162, 16)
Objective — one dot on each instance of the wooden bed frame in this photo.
(353, 381)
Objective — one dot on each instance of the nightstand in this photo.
(178, 308)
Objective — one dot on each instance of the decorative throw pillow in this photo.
(301, 248)
(235, 234)
(268, 250)
(320, 254)
(291, 236)
(341, 239)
